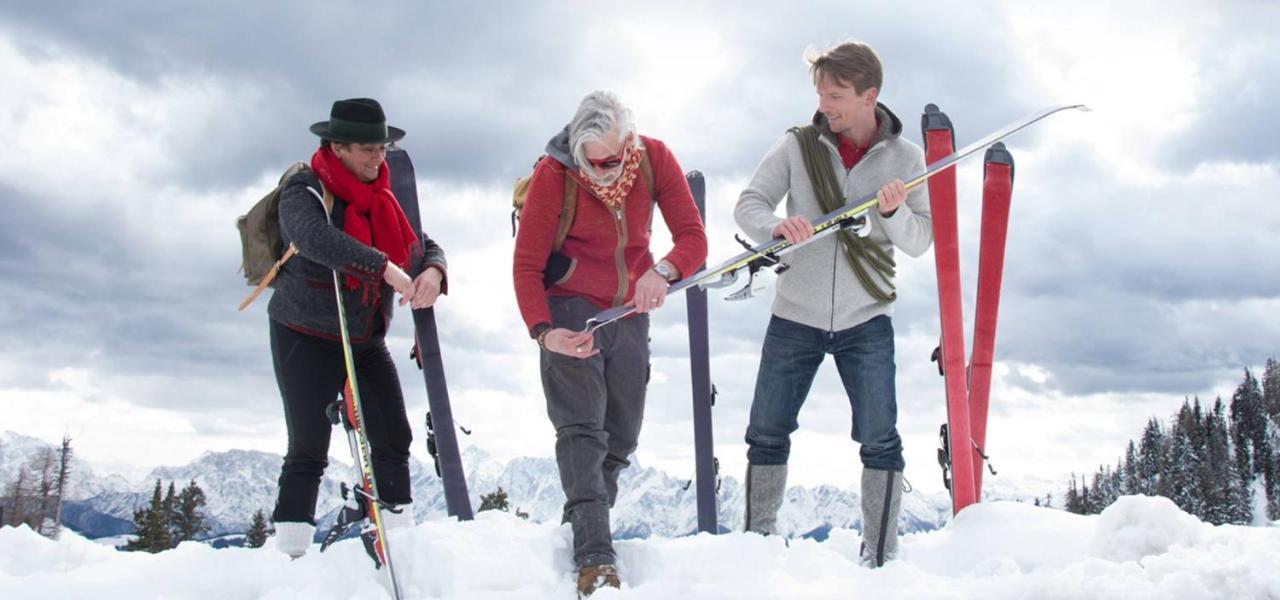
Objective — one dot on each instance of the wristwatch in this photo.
(663, 271)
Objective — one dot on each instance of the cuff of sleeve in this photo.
(898, 219)
(537, 330)
(444, 276)
(679, 262)
(764, 231)
(371, 273)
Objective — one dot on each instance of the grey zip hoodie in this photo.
(820, 289)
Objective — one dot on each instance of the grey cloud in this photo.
(481, 87)
(1105, 285)
(1238, 90)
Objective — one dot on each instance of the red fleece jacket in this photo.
(608, 250)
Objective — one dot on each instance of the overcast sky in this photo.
(1142, 254)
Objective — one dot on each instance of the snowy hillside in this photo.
(1138, 548)
(651, 502)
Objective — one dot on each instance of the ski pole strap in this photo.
(858, 250)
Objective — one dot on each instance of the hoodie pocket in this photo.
(559, 269)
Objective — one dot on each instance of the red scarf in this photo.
(373, 216)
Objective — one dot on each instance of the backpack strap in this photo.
(326, 200)
(569, 206)
(646, 170)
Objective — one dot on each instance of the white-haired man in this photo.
(596, 256)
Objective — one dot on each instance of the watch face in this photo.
(662, 270)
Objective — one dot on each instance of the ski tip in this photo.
(934, 119)
(999, 154)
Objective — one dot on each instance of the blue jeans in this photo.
(788, 363)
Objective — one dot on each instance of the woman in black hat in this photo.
(368, 241)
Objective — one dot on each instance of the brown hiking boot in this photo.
(594, 577)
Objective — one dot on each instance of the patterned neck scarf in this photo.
(613, 194)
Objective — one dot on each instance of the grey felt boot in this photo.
(294, 538)
(766, 485)
(881, 502)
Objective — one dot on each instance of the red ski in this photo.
(997, 190)
(968, 388)
(939, 141)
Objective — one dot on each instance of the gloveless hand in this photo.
(398, 280)
(578, 344)
(891, 196)
(651, 292)
(794, 229)
(426, 289)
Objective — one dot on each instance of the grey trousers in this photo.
(596, 405)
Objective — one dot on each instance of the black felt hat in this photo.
(359, 121)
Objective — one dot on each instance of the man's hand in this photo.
(794, 229)
(578, 344)
(891, 196)
(651, 292)
(426, 289)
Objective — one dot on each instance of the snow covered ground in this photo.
(1138, 548)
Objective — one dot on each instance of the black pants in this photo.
(311, 373)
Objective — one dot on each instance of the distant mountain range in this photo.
(239, 482)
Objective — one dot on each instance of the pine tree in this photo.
(1271, 390)
(169, 508)
(494, 501)
(151, 525)
(258, 531)
(1100, 494)
(1180, 473)
(1071, 500)
(1254, 454)
(188, 517)
(1150, 458)
(44, 472)
(1220, 484)
(1132, 480)
(62, 481)
(1271, 403)
(18, 491)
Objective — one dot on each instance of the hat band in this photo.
(356, 131)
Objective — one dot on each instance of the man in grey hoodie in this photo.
(837, 296)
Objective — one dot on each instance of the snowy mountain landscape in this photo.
(1140, 547)
(651, 503)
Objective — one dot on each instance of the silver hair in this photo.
(599, 113)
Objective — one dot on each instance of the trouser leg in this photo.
(864, 358)
(626, 373)
(309, 373)
(788, 362)
(386, 423)
(576, 404)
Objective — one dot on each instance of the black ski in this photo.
(442, 440)
(703, 391)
